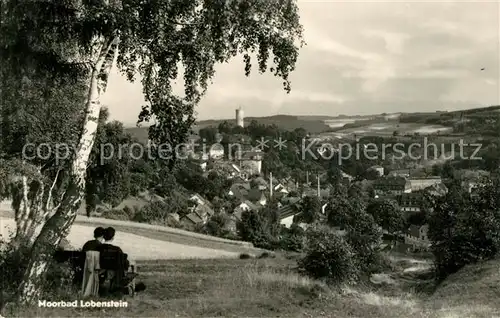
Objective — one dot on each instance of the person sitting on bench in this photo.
(120, 276)
(98, 239)
(107, 247)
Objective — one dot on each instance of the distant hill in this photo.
(312, 124)
(316, 123)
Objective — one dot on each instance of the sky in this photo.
(361, 57)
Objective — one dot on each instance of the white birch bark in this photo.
(59, 224)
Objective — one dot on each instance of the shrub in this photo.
(216, 225)
(154, 212)
(465, 229)
(116, 214)
(328, 256)
(129, 211)
(13, 263)
(254, 228)
(292, 239)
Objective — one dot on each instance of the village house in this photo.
(417, 236)
(200, 163)
(403, 173)
(291, 208)
(257, 196)
(239, 190)
(261, 183)
(410, 202)
(191, 220)
(289, 184)
(246, 205)
(439, 189)
(391, 186)
(200, 200)
(288, 211)
(471, 187)
(346, 179)
(378, 169)
(224, 168)
(201, 207)
(311, 192)
(250, 161)
(418, 184)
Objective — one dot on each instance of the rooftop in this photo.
(390, 180)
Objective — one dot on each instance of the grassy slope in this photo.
(271, 288)
(235, 288)
(472, 292)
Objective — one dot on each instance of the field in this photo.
(145, 241)
(139, 247)
(387, 128)
(272, 288)
(239, 288)
(185, 280)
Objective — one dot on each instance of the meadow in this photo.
(273, 288)
(387, 128)
(186, 280)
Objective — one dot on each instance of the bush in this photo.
(254, 228)
(465, 229)
(216, 225)
(152, 213)
(328, 257)
(292, 239)
(116, 214)
(14, 262)
(129, 211)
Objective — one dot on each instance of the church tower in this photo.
(240, 117)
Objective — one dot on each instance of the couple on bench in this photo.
(101, 267)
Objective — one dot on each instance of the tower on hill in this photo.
(240, 117)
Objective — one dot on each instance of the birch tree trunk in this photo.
(58, 226)
(27, 209)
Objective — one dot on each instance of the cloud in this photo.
(394, 42)
(361, 58)
(322, 42)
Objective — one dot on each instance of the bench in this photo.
(113, 275)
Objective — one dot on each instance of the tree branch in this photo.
(49, 198)
(182, 23)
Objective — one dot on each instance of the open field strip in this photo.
(138, 247)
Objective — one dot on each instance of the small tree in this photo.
(310, 209)
(216, 225)
(147, 38)
(256, 228)
(328, 256)
(465, 229)
(362, 233)
(387, 214)
(292, 239)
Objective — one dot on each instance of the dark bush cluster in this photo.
(328, 256)
(116, 214)
(255, 228)
(292, 239)
(14, 260)
(153, 213)
(465, 228)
